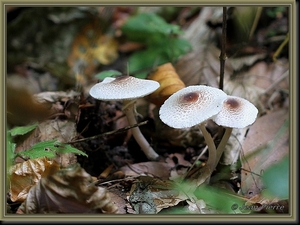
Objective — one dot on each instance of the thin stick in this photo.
(280, 48)
(192, 166)
(255, 22)
(108, 133)
(223, 56)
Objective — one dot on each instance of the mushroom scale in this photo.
(123, 88)
(236, 112)
(191, 106)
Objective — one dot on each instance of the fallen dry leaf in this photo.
(149, 195)
(158, 169)
(263, 136)
(27, 174)
(61, 130)
(69, 190)
(169, 81)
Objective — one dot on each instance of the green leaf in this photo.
(148, 28)
(108, 73)
(49, 149)
(276, 179)
(161, 41)
(176, 47)
(65, 148)
(10, 150)
(9, 157)
(41, 149)
(22, 129)
(219, 199)
(216, 198)
(141, 62)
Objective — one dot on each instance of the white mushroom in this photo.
(236, 112)
(128, 89)
(191, 106)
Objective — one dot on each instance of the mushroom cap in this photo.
(191, 105)
(236, 112)
(123, 88)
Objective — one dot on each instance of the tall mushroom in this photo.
(191, 106)
(128, 89)
(236, 112)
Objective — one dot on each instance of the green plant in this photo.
(210, 199)
(274, 12)
(47, 148)
(277, 174)
(107, 73)
(160, 38)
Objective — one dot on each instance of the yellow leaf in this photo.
(90, 48)
(27, 174)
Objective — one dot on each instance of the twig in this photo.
(255, 22)
(193, 165)
(108, 133)
(223, 56)
(276, 82)
(280, 48)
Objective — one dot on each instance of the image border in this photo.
(232, 218)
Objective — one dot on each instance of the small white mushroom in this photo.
(236, 112)
(191, 106)
(128, 89)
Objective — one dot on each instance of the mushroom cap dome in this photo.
(191, 106)
(123, 88)
(236, 112)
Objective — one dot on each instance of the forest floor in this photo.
(51, 66)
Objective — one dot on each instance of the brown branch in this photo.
(108, 133)
(223, 56)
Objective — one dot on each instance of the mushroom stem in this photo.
(129, 110)
(221, 146)
(211, 148)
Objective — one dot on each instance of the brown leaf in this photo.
(62, 130)
(169, 81)
(61, 102)
(201, 66)
(69, 190)
(266, 74)
(158, 169)
(25, 175)
(262, 136)
(22, 108)
(149, 195)
(130, 47)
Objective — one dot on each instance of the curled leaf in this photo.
(169, 81)
(69, 190)
(25, 175)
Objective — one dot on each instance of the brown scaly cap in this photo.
(123, 88)
(191, 106)
(236, 112)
